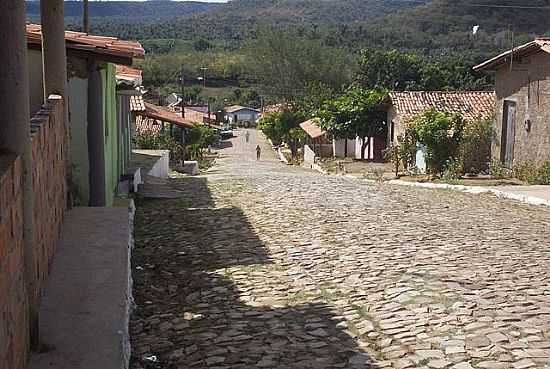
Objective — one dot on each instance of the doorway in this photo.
(508, 134)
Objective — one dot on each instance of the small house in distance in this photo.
(241, 115)
(317, 143)
(522, 83)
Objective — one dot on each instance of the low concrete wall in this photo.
(155, 163)
(309, 155)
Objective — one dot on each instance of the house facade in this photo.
(241, 115)
(97, 135)
(402, 107)
(522, 108)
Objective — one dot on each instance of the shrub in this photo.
(453, 170)
(530, 173)
(160, 141)
(475, 146)
(543, 176)
(391, 154)
(497, 170)
(441, 133)
(199, 138)
(401, 152)
(526, 171)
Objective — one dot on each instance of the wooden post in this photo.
(15, 130)
(96, 137)
(54, 58)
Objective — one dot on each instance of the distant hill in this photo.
(230, 21)
(130, 9)
(319, 12)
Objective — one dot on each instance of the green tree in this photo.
(441, 132)
(199, 138)
(284, 127)
(201, 44)
(285, 62)
(355, 113)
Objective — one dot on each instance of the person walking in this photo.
(258, 152)
(247, 136)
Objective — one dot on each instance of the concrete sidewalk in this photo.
(85, 311)
(540, 192)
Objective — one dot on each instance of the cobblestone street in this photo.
(262, 265)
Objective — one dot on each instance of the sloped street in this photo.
(261, 265)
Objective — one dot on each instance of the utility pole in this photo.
(182, 93)
(513, 45)
(204, 69)
(85, 17)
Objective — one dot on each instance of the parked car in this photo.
(226, 132)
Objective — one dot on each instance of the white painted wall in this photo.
(161, 167)
(339, 148)
(309, 155)
(78, 111)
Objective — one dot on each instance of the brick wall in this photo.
(13, 297)
(49, 187)
(49, 184)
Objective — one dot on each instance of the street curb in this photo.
(282, 156)
(531, 200)
(475, 190)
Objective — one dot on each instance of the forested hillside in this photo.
(433, 36)
(150, 10)
(235, 20)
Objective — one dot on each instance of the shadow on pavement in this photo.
(190, 314)
(226, 144)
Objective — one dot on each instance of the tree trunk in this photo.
(365, 142)
(346, 147)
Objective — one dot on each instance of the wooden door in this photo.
(508, 134)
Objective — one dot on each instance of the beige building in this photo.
(522, 128)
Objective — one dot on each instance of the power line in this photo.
(542, 7)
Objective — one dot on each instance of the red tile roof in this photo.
(165, 115)
(312, 129)
(126, 74)
(530, 48)
(472, 105)
(98, 45)
(137, 103)
(235, 108)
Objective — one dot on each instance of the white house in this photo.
(238, 115)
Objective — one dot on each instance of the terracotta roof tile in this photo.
(165, 115)
(101, 45)
(126, 74)
(137, 103)
(472, 105)
(530, 48)
(234, 108)
(312, 129)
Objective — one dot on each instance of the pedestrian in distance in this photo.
(247, 136)
(258, 152)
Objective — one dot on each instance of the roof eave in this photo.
(494, 63)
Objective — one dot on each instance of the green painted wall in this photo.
(112, 169)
